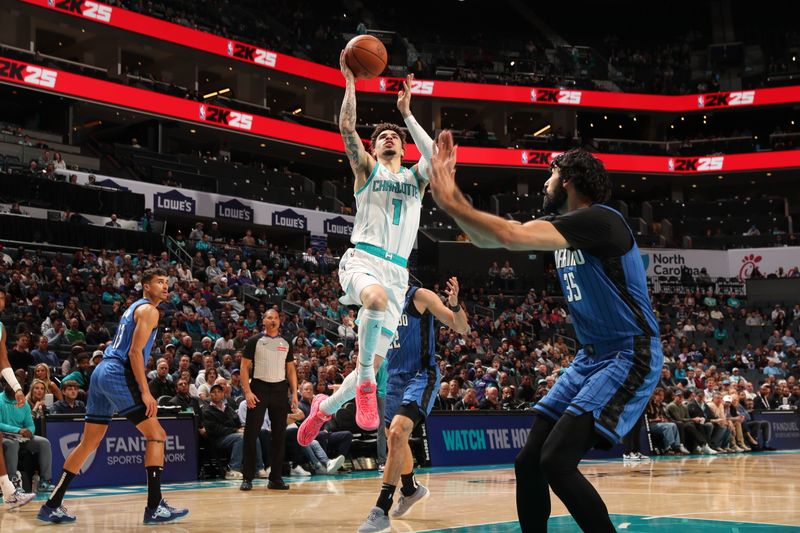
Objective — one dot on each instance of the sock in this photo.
(61, 488)
(7, 486)
(153, 486)
(385, 498)
(409, 484)
(345, 393)
(369, 330)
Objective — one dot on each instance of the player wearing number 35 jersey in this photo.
(602, 394)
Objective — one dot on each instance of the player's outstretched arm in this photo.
(483, 229)
(146, 317)
(426, 300)
(421, 138)
(360, 161)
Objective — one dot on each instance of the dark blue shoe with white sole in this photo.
(55, 516)
(163, 514)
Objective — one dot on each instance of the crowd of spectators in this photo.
(61, 311)
(317, 32)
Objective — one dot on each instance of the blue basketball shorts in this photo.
(113, 389)
(405, 388)
(612, 380)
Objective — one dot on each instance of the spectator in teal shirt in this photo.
(19, 421)
(81, 374)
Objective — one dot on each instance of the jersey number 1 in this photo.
(572, 290)
(398, 206)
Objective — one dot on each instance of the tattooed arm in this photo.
(360, 161)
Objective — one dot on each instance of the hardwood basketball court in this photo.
(734, 493)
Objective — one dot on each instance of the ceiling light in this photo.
(192, 130)
(263, 145)
(302, 153)
(543, 130)
(297, 111)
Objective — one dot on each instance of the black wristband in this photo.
(454, 308)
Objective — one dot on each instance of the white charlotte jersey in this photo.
(387, 210)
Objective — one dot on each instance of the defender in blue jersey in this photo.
(119, 385)
(603, 393)
(413, 381)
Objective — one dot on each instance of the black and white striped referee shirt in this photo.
(269, 356)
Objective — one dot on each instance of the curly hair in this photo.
(586, 172)
(383, 126)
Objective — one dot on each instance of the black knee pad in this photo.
(137, 416)
(411, 411)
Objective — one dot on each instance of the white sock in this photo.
(345, 393)
(369, 331)
(7, 486)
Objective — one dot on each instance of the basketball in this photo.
(366, 56)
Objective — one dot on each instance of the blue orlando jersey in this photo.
(414, 346)
(118, 350)
(602, 276)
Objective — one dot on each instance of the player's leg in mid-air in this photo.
(374, 339)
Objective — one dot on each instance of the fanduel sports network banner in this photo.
(206, 42)
(738, 263)
(119, 460)
(169, 200)
(104, 92)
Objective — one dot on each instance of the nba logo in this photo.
(230, 48)
(671, 164)
(700, 101)
(51, 3)
(382, 84)
(533, 95)
(202, 112)
(525, 155)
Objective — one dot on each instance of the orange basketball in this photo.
(366, 56)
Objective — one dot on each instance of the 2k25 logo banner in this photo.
(393, 85)
(555, 96)
(86, 8)
(731, 99)
(252, 54)
(537, 158)
(695, 164)
(30, 74)
(234, 119)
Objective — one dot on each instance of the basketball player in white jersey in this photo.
(373, 273)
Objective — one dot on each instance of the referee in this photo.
(274, 378)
